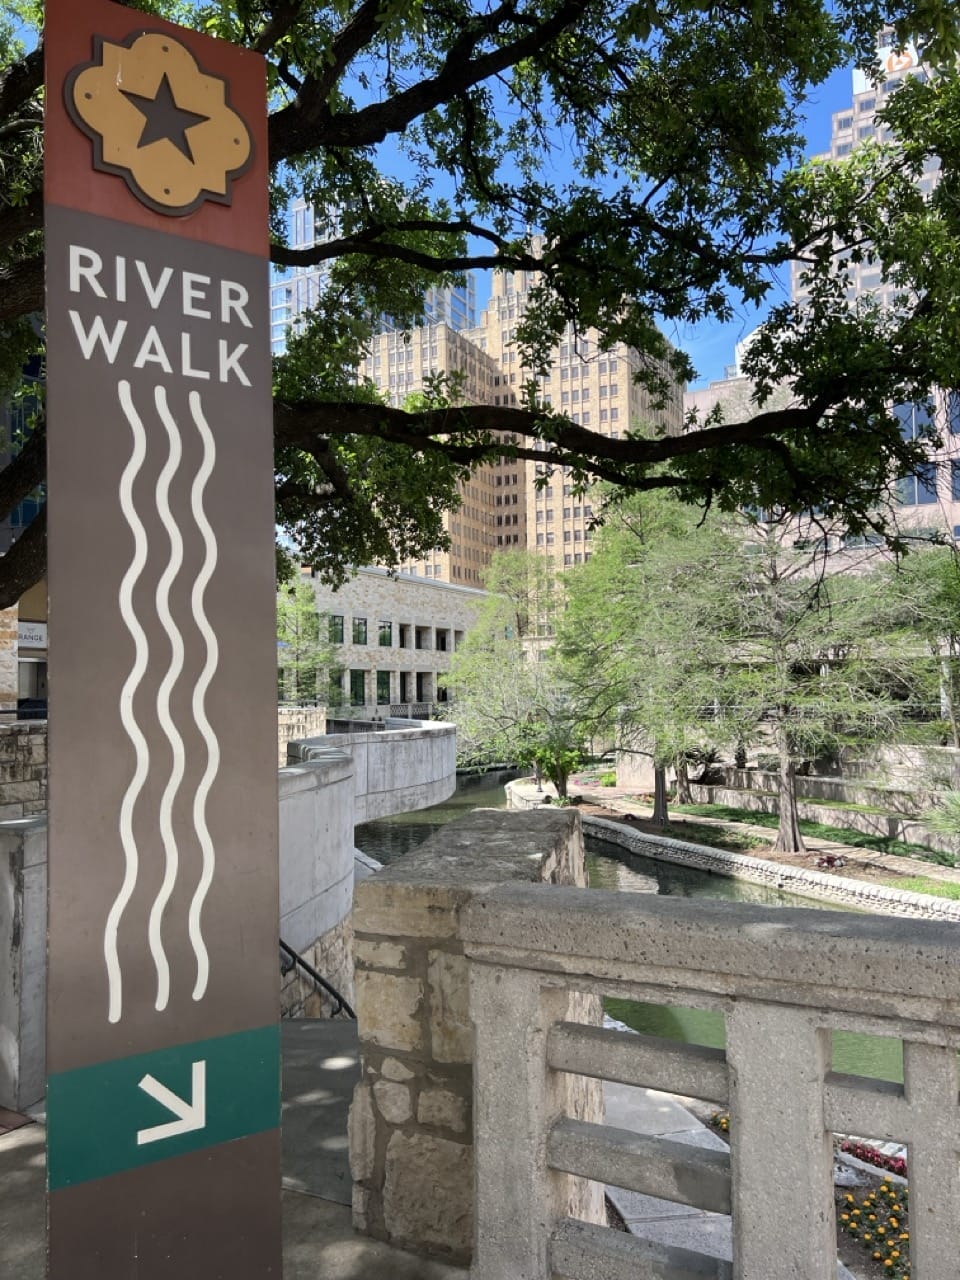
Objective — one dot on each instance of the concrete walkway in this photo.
(320, 1069)
(319, 1072)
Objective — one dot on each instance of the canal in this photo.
(610, 867)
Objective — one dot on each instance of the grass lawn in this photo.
(923, 884)
(820, 831)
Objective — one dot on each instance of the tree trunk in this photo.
(948, 706)
(789, 839)
(660, 795)
(684, 794)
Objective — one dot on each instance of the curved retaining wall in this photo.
(395, 770)
(810, 884)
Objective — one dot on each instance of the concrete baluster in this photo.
(783, 1213)
(930, 1076)
(519, 1200)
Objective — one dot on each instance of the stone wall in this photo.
(9, 677)
(23, 769)
(332, 957)
(888, 825)
(298, 722)
(23, 955)
(411, 1124)
(811, 884)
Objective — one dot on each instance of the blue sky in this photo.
(711, 345)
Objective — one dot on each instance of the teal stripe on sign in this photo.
(94, 1114)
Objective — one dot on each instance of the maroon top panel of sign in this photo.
(156, 126)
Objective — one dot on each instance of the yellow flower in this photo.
(888, 1263)
(849, 1199)
(894, 1222)
(895, 1253)
(881, 1231)
(844, 1217)
(867, 1235)
(856, 1213)
(904, 1235)
(877, 1255)
(872, 1217)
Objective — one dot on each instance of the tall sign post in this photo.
(162, 1035)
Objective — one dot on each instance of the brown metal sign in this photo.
(162, 1035)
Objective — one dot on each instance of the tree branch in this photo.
(20, 82)
(24, 472)
(307, 123)
(25, 563)
(21, 289)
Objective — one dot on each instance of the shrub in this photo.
(608, 779)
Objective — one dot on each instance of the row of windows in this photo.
(568, 513)
(412, 686)
(408, 635)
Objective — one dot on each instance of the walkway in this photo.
(319, 1072)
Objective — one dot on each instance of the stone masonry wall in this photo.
(332, 957)
(411, 1144)
(23, 769)
(9, 683)
(294, 723)
(810, 884)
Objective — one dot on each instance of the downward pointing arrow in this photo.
(190, 1115)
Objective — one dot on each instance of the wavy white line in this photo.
(168, 577)
(199, 695)
(131, 684)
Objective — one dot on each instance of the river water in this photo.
(610, 867)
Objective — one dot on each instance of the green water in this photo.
(611, 867)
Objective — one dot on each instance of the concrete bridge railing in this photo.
(784, 980)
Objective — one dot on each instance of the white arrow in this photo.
(190, 1115)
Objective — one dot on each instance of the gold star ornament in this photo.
(160, 122)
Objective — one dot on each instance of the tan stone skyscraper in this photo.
(503, 505)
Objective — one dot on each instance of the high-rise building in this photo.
(929, 499)
(594, 387)
(296, 289)
(509, 503)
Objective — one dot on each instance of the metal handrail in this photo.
(320, 981)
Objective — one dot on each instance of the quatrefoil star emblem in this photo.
(159, 121)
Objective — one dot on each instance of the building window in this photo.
(335, 688)
(358, 688)
(336, 628)
(383, 688)
(955, 480)
(920, 488)
(386, 634)
(359, 631)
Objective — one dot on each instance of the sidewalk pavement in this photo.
(320, 1069)
(319, 1072)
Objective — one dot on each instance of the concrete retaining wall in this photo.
(316, 878)
(888, 825)
(411, 1123)
(395, 771)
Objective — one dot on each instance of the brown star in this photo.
(163, 118)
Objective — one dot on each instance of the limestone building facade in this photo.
(393, 639)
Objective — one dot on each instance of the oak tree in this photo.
(657, 151)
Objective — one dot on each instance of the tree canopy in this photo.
(657, 152)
